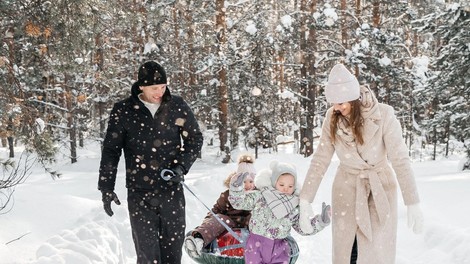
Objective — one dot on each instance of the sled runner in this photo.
(226, 249)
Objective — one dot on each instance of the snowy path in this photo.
(68, 225)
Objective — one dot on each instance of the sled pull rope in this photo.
(230, 230)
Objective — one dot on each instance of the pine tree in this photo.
(449, 86)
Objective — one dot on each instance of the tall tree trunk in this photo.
(434, 152)
(190, 42)
(81, 139)
(414, 52)
(191, 86)
(11, 83)
(307, 74)
(447, 136)
(344, 24)
(358, 8)
(71, 123)
(304, 133)
(99, 61)
(410, 126)
(222, 75)
(358, 13)
(375, 24)
(10, 138)
(376, 18)
(177, 77)
(101, 111)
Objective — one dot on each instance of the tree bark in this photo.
(10, 138)
(222, 75)
(71, 123)
(307, 74)
(177, 77)
(344, 24)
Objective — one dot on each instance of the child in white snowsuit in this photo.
(274, 211)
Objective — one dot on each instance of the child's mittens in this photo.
(237, 182)
(325, 217)
(305, 216)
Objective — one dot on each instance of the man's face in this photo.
(153, 93)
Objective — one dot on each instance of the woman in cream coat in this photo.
(367, 139)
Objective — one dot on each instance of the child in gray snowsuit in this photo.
(274, 211)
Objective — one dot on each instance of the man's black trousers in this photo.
(158, 224)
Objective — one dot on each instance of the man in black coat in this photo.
(161, 140)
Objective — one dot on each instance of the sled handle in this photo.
(235, 235)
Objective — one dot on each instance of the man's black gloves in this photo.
(108, 197)
(175, 174)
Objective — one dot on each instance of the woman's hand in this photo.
(305, 216)
(415, 218)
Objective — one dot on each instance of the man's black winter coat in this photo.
(150, 144)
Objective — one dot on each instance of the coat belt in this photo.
(367, 183)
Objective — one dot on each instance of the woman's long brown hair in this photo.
(354, 121)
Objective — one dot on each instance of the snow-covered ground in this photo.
(62, 221)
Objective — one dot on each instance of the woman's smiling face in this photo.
(343, 108)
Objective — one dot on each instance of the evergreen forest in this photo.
(253, 71)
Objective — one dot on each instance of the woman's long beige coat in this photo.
(364, 195)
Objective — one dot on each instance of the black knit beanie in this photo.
(151, 73)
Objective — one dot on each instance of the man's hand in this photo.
(175, 174)
(108, 197)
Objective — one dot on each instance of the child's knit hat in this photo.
(279, 168)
